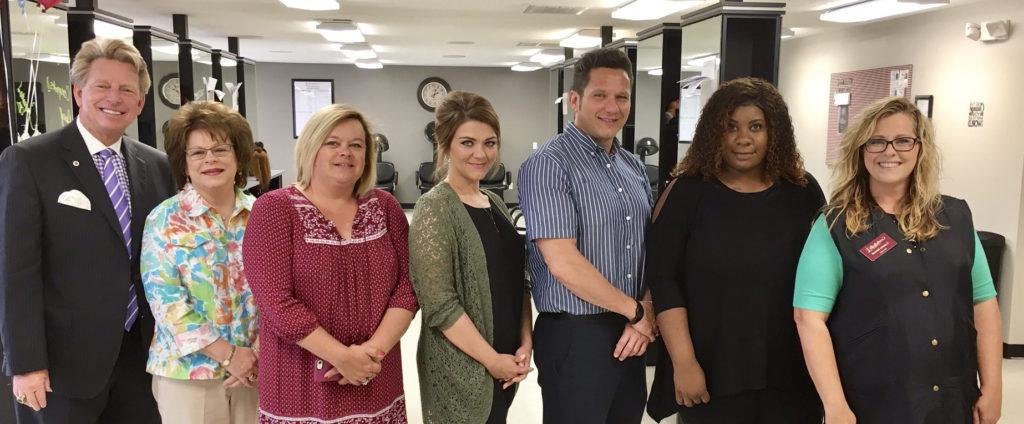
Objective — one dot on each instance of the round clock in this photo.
(432, 92)
(170, 90)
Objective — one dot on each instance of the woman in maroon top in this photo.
(327, 260)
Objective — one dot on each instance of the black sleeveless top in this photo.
(903, 324)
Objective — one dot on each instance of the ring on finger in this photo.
(22, 399)
(366, 381)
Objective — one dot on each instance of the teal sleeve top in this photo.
(819, 274)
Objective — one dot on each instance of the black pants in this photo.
(580, 380)
(501, 402)
(128, 397)
(768, 406)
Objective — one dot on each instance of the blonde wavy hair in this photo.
(852, 195)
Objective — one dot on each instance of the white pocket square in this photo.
(75, 199)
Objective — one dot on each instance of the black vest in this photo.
(903, 324)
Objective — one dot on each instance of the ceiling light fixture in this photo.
(358, 51)
(582, 39)
(656, 72)
(787, 33)
(869, 10)
(526, 66)
(104, 29)
(369, 64)
(645, 10)
(548, 56)
(312, 4)
(340, 32)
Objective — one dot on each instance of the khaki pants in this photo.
(204, 402)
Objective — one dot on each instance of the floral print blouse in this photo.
(195, 284)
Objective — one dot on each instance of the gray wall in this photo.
(388, 97)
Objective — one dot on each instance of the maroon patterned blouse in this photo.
(303, 274)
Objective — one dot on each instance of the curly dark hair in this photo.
(782, 160)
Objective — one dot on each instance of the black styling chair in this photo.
(645, 147)
(387, 177)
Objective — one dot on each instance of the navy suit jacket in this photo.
(64, 271)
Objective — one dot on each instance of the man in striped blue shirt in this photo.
(587, 203)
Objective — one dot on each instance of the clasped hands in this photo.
(357, 364)
(510, 369)
(636, 337)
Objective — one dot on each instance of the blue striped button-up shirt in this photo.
(571, 188)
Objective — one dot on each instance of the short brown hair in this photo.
(456, 109)
(113, 49)
(221, 122)
(607, 57)
(316, 131)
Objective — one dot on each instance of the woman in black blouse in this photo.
(721, 257)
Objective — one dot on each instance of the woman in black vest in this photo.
(721, 258)
(894, 300)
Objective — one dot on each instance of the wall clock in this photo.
(432, 92)
(170, 90)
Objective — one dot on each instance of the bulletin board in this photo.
(851, 92)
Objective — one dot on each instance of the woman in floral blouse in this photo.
(202, 357)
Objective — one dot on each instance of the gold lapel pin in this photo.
(74, 163)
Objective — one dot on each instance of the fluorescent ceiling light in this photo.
(228, 63)
(526, 66)
(654, 72)
(52, 58)
(340, 32)
(548, 56)
(109, 30)
(700, 61)
(312, 4)
(787, 33)
(369, 64)
(869, 10)
(645, 10)
(167, 49)
(358, 51)
(582, 39)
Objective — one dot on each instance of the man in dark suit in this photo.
(75, 324)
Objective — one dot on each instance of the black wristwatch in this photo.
(639, 313)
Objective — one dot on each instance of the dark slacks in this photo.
(767, 406)
(580, 380)
(127, 398)
(501, 402)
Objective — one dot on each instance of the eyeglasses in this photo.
(219, 151)
(901, 144)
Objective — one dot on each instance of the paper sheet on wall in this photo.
(308, 97)
(690, 104)
(899, 79)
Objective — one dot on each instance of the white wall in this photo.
(982, 165)
(388, 98)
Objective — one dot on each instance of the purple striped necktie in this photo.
(119, 198)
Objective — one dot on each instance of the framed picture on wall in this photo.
(924, 103)
(308, 96)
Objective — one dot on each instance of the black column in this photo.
(629, 130)
(147, 119)
(184, 58)
(606, 35)
(671, 61)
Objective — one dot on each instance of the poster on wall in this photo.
(850, 92)
(976, 116)
(308, 96)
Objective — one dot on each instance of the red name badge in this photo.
(877, 247)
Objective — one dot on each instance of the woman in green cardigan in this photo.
(467, 264)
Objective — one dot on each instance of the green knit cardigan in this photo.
(448, 268)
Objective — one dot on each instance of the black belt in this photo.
(601, 317)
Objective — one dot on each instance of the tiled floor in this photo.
(527, 408)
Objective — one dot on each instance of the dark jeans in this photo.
(580, 380)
